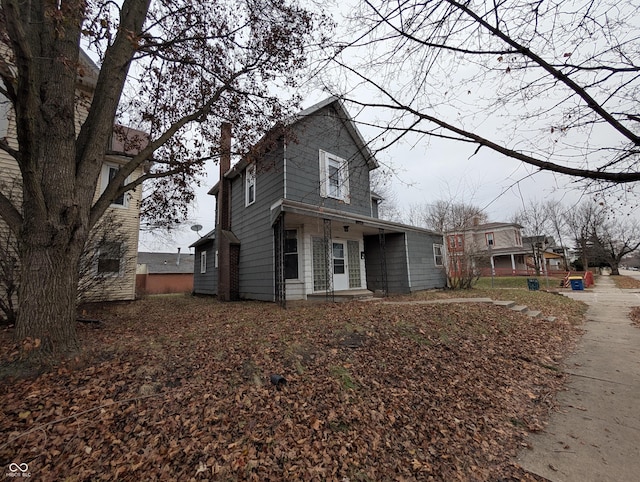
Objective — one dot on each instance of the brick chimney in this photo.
(224, 187)
(228, 244)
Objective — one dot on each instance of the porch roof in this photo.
(366, 224)
(508, 251)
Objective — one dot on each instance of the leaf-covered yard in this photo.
(178, 388)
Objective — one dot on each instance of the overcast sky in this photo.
(424, 173)
(424, 170)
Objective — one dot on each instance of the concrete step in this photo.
(346, 295)
(520, 308)
(533, 313)
(505, 304)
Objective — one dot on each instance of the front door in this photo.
(340, 273)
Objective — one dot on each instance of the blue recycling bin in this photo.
(577, 283)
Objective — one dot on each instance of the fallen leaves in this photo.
(180, 388)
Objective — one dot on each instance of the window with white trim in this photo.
(334, 177)
(203, 262)
(109, 171)
(5, 110)
(291, 254)
(437, 255)
(109, 259)
(489, 239)
(518, 238)
(250, 185)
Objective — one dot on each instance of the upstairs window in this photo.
(518, 238)
(334, 177)
(489, 239)
(109, 171)
(5, 110)
(250, 185)
(455, 242)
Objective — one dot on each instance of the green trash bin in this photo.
(533, 284)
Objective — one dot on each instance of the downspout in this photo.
(406, 250)
(284, 162)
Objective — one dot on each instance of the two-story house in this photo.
(299, 220)
(109, 267)
(500, 243)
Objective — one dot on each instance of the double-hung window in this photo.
(109, 171)
(437, 255)
(110, 257)
(334, 177)
(250, 185)
(489, 238)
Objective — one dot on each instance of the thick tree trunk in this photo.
(47, 294)
(615, 267)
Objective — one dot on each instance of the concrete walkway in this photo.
(595, 436)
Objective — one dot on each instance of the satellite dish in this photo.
(196, 228)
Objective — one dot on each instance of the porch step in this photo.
(346, 295)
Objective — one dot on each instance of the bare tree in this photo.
(450, 215)
(616, 239)
(551, 84)
(583, 222)
(536, 222)
(556, 213)
(388, 204)
(187, 66)
(455, 220)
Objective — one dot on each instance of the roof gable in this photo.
(277, 131)
(347, 121)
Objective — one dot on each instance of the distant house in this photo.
(297, 219)
(507, 252)
(160, 273)
(500, 243)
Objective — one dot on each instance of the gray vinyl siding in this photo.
(397, 274)
(205, 283)
(422, 268)
(252, 225)
(325, 130)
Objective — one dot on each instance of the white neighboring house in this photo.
(113, 264)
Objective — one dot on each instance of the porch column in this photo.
(513, 264)
(493, 267)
